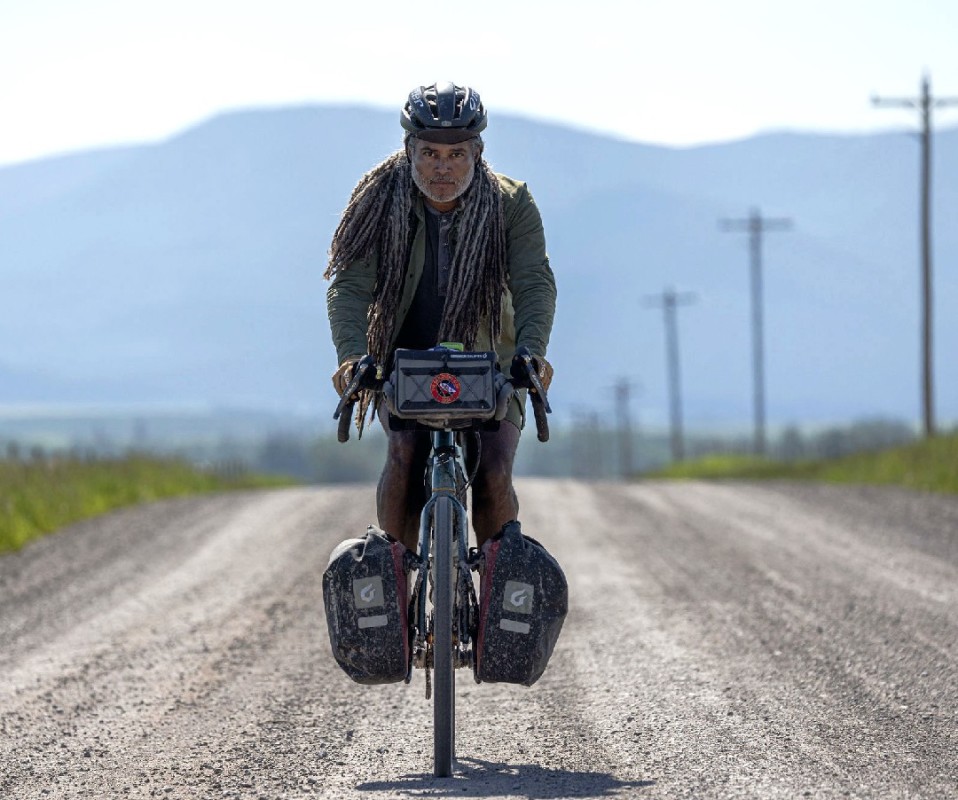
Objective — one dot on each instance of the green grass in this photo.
(930, 465)
(38, 497)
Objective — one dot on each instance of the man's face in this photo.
(442, 171)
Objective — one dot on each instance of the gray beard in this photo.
(422, 183)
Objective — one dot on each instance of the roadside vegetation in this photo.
(40, 495)
(930, 465)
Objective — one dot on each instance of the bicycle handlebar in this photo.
(361, 380)
(539, 398)
(364, 379)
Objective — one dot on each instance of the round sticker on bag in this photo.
(445, 388)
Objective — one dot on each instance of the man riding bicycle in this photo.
(434, 246)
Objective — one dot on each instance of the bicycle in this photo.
(443, 610)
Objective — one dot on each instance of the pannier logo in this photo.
(368, 592)
(445, 388)
(518, 597)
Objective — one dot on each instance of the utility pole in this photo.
(669, 301)
(623, 397)
(588, 445)
(924, 104)
(756, 225)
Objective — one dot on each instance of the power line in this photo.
(668, 301)
(756, 225)
(924, 104)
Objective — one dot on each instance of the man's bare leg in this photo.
(401, 493)
(494, 501)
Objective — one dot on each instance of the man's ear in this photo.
(478, 148)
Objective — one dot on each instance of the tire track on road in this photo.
(723, 641)
(828, 657)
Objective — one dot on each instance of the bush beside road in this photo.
(41, 495)
(929, 465)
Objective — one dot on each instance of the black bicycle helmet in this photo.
(444, 113)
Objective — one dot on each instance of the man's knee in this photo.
(497, 454)
(405, 452)
(494, 475)
(493, 480)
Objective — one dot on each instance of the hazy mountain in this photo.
(191, 270)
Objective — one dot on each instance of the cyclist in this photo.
(434, 246)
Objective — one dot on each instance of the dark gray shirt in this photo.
(420, 330)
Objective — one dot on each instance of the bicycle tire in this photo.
(444, 684)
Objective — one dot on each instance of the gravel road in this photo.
(724, 641)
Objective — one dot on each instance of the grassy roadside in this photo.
(38, 497)
(930, 465)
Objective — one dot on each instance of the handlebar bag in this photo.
(444, 384)
(523, 601)
(365, 592)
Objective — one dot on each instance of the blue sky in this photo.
(89, 73)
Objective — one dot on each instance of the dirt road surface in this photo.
(724, 641)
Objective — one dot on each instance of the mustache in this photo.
(442, 187)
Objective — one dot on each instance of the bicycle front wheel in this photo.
(444, 690)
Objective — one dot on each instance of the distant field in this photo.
(38, 497)
(931, 465)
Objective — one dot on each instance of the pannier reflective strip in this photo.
(515, 627)
(373, 622)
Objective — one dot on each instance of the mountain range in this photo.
(190, 270)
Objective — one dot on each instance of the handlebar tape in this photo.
(540, 400)
(539, 411)
(345, 418)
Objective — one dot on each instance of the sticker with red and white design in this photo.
(445, 388)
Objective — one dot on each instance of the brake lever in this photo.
(537, 386)
(358, 382)
(344, 408)
(349, 395)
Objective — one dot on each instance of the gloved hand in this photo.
(504, 394)
(344, 374)
(389, 393)
(520, 377)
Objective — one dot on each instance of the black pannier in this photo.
(523, 600)
(365, 592)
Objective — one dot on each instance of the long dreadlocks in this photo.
(379, 219)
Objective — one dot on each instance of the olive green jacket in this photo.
(528, 303)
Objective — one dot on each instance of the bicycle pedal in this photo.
(464, 658)
(411, 561)
(474, 560)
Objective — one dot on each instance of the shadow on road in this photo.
(476, 778)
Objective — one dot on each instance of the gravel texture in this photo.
(723, 641)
